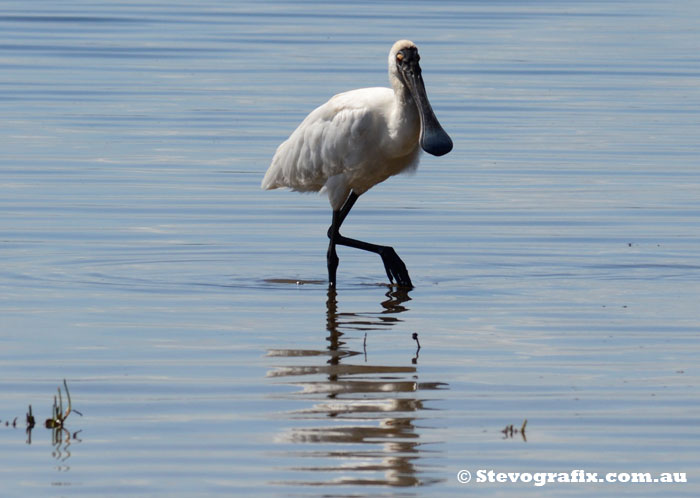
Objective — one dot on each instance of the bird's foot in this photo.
(395, 268)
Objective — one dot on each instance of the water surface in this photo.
(554, 251)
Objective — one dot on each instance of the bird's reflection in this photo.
(365, 415)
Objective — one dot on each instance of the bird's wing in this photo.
(333, 139)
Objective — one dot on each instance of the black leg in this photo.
(333, 233)
(349, 203)
(394, 266)
(331, 256)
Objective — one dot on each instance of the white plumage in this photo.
(360, 138)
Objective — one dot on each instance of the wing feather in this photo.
(337, 138)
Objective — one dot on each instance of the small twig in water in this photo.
(415, 337)
(415, 358)
(58, 419)
(510, 430)
(30, 419)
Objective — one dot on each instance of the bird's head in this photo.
(405, 70)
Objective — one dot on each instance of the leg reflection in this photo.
(362, 414)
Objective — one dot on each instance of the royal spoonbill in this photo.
(356, 140)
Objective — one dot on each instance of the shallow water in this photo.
(555, 251)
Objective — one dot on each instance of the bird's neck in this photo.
(404, 126)
(404, 121)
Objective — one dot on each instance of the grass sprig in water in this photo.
(59, 417)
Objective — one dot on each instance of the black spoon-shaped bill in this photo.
(433, 138)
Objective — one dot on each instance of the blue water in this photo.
(555, 251)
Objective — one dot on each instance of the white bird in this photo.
(358, 139)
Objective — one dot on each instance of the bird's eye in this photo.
(399, 56)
